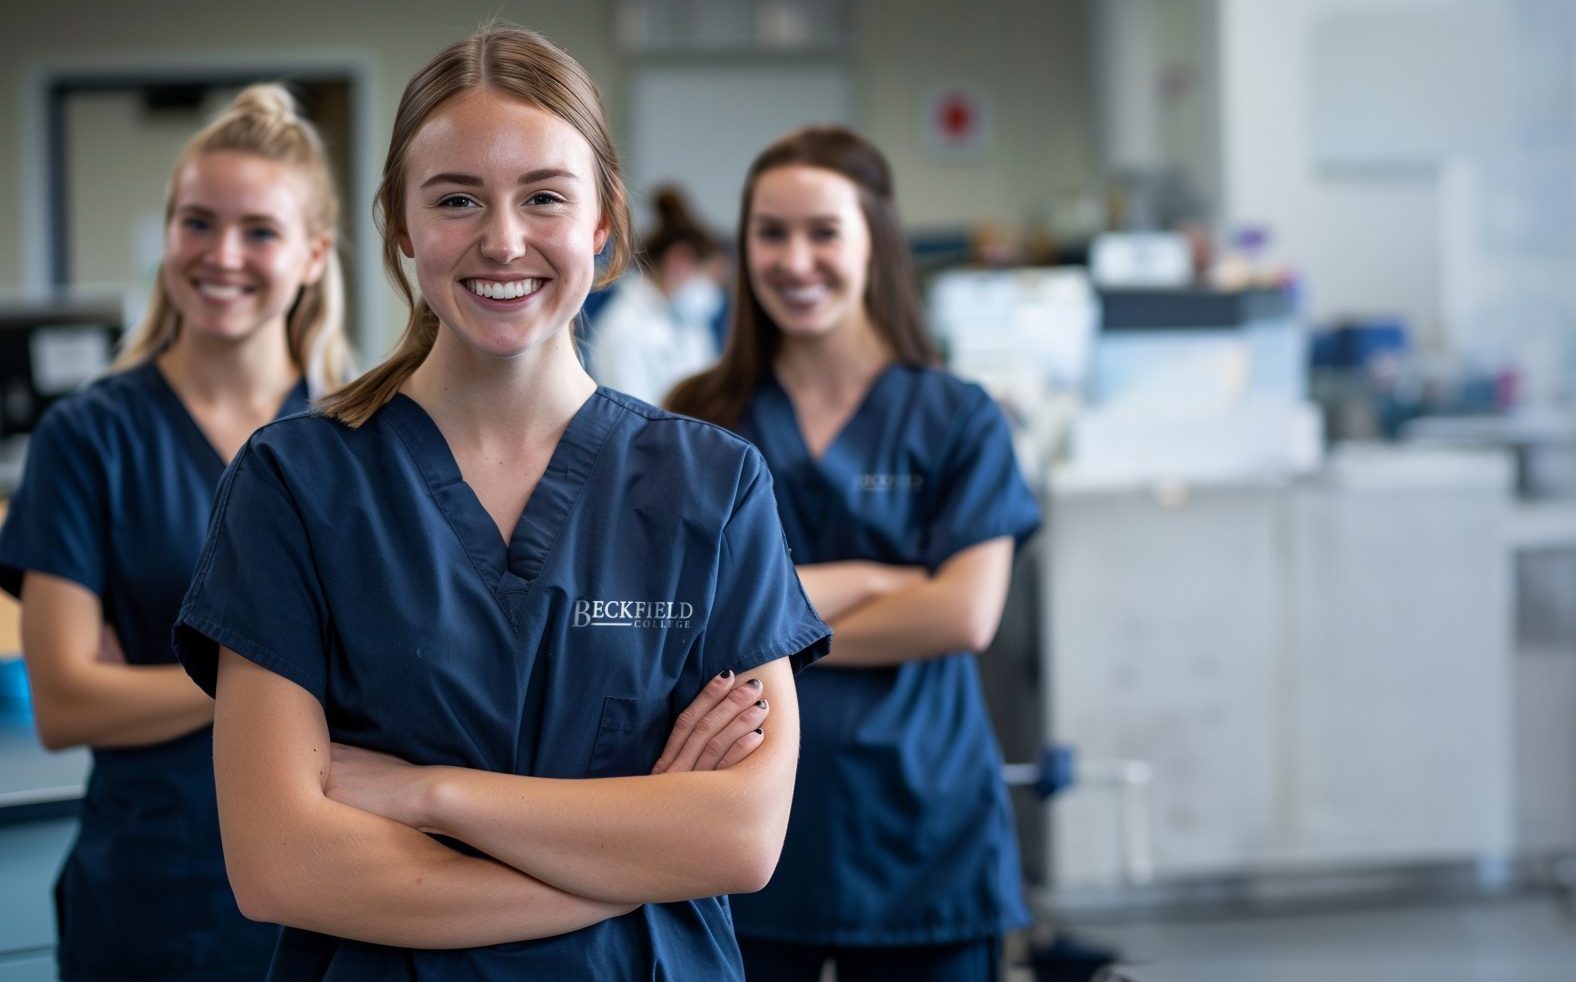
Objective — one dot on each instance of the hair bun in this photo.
(269, 100)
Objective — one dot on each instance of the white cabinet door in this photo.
(1319, 675)
(1401, 674)
(1164, 623)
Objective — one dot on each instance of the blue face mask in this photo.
(698, 300)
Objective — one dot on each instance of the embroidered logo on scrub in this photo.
(890, 482)
(633, 613)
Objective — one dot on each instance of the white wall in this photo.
(1363, 243)
(1156, 76)
(1361, 179)
(388, 39)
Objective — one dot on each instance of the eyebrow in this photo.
(761, 216)
(209, 213)
(472, 181)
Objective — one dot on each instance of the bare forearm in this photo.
(912, 625)
(838, 588)
(654, 838)
(83, 691)
(297, 857)
(339, 871)
(108, 705)
(958, 609)
(660, 837)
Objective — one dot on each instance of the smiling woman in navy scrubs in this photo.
(902, 501)
(486, 628)
(101, 539)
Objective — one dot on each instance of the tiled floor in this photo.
(1530, 938)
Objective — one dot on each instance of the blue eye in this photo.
(544, 198)
(457, 201)
(262, 234)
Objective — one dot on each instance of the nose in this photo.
(797, 255)
(503, 237)
(226, 251)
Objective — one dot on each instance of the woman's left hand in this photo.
(722, 727)
(378, 783)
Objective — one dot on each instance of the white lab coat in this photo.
(639, 346)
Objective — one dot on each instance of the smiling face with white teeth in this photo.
(807, 250)
(236, 247)
(502, 220)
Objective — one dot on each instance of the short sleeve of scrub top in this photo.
(61, 519)
(981, 493)
(256, 590)
(648, 559)
(760, 616)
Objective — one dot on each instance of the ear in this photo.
(405, 246)
(318, 251)
(604, 228)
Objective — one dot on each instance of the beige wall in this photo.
(390, 38)
(118, 168)
(1028, 56)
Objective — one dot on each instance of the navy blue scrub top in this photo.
(648, 559)
(901, 833)
(116, 496)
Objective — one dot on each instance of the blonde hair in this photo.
(263, 120)
(516, 62)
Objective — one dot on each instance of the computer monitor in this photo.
(48, 350)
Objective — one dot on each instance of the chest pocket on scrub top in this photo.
(629, 738)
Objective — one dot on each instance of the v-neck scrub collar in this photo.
(508, 569)
(180, 415)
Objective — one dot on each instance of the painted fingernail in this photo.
(760, 731)
(756, 683)
(761, 704)
(727, 673)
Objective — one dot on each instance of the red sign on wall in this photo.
(956, 119)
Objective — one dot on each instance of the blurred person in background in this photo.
(102, 538)
(656, 329)
(902, 503)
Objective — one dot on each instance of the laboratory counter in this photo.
(36, 783)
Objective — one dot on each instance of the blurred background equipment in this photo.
(48, 349)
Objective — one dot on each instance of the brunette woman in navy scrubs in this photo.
(101, 539)
(903, 503)
(452, 619)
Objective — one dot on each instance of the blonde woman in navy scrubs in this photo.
(903, 503)
(102, 537)
(444, 686)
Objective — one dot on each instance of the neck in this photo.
(254, 370)
(842, 361)
(482, 399)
